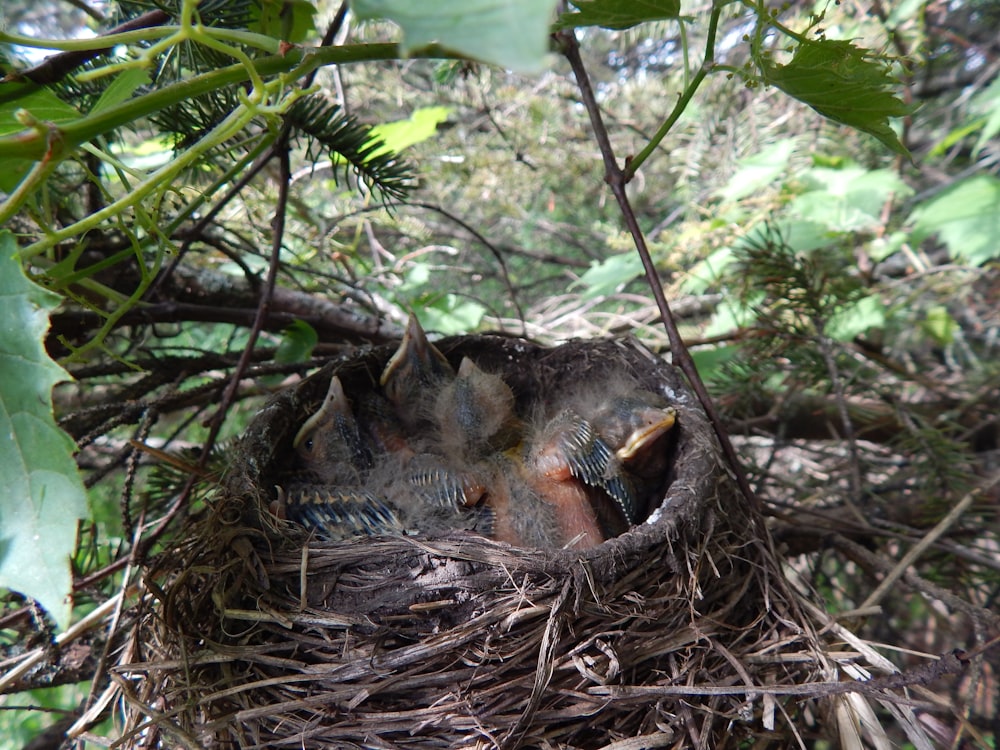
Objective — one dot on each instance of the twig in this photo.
(616, 178)
(920, 547)
(56, 67)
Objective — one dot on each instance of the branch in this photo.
(56, 67)
(617, 179)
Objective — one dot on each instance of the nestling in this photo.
(329, 444)
(414, 374)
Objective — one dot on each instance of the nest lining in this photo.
(268, 639)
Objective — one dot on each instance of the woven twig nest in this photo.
(263, 636)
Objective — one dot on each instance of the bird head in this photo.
(329, 444)
(415, 368)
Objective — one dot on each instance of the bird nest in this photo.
(258, 634)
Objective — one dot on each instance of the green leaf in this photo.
(121, 89)
(44, 106)
(512, 34)
(848, 199)
(966, 217)
(297, 342)
(709, 360)
(707, 272)
(449, 314)
(856, 318)
(801, 235)
(843, 83)
(41, 496)
(939, 325)
(759, 170)
(609, 275)
(288, 20)
(618, 14)
(420, 126)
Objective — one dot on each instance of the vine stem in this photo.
(617, 178)
(707, 65)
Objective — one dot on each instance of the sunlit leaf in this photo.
(42, 105)
(966, 217)
(609, 275)
(848, 199)
(988, 100)
(512, 34)
(421, 125)
(843, 83)
(618, 14)
(41, 496)
(450, 314)
(856, 318)
(706, 272)
(709, 360)
(759, 170)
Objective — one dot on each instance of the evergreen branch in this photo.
(33, 142)
(340, 135)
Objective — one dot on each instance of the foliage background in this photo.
(832, 269)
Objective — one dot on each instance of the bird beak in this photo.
(335, 401)
(416, 354)
(655, 422)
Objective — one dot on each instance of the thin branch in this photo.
(56, 67)
(617, 179)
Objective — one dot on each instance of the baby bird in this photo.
(329, 444)
(564, 463)
(335, 514)
(633, 424)
(430, 497)
(521, 517)
(473, 415)
(414, 374)
(382, 427)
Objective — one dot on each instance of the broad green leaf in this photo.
(881, 248)
(843, 83)
(902, 11)
(288, 20)
(609, 275)
(802, 235)
(512, 34)
(450, 314)
(44, 106)
(706, 272)
(856, 318)
(420, 126)
(121, 88)
(618, 14)
(966, 217)
(41, 496)
(848, 199)
(297, 342)
(759, 170)
(732, 314)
